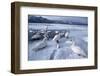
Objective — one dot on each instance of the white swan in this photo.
(66, 34)
(57, 36)
(77, 50)
(56, 39)
(40, 45)
(37, 35)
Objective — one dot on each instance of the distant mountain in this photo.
(34, 19)
(40, 19)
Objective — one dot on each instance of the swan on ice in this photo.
(56, 39)
(40, 45)
(43, 43)
(67, 34)
(36, 36)
(77, 50)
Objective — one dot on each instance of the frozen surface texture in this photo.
(78, 34)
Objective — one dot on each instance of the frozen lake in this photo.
(79, 33)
